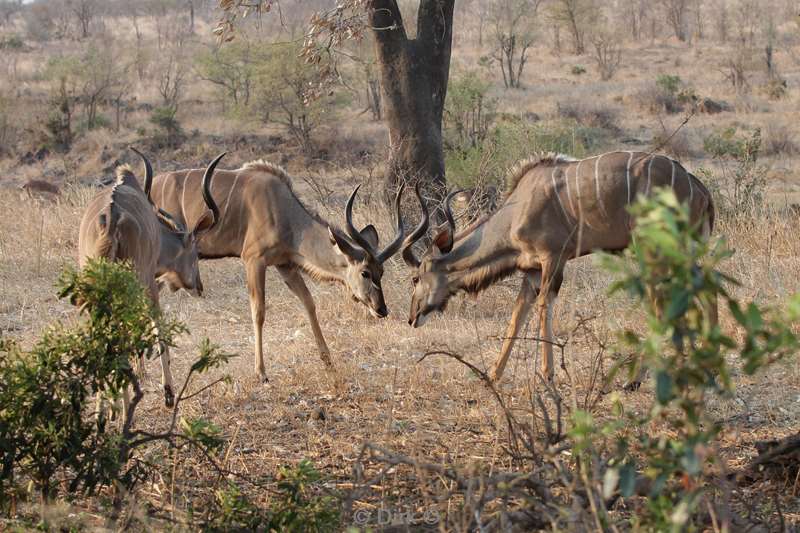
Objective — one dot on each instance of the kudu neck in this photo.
(481, 257)
(170, 247)
(316, 255)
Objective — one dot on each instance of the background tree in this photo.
(513, 26)
(84, 11)
(675, 12)
(577, 16)
(9, 8)
(413, 72)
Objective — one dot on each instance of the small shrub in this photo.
(591, 114)
(724, 143)
(468, 111)
(578, 70)
(669, 83)
(52, 439)
(668, 94)
(743, 180)
(779, 140)
(776, 89)
(46, 393)
(11, 42)
(298, 506)
(170, 132)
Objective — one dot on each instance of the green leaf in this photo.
(627, 480)
(664, 385)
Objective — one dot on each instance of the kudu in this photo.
(121, 224)
(556, 208)
(265, 224)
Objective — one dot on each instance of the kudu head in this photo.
(178, 258)
(364, 260)
(430, 284)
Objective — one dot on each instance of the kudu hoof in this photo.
(169, 396)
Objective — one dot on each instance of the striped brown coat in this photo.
(556, 208)
(264, 223)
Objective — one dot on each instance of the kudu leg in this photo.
(552, 276)
(295, 282)
(163, 352)
(255, 271)
(527, 294)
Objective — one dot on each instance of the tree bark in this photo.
(414, 75)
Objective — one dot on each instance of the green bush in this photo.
(11, 42)
(674, 273)
(725, 143)
(47, 392)
(298, 506)
(669, 83)
(52, 437)
(742, 186)
(578, 70)
(468, 111)
(170, 133)
(512, 139)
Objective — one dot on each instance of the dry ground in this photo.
(434, 410)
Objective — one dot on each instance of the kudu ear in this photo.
(205, 223)
(443, 240)
(343, 247)
(371, 235)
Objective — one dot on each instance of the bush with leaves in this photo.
(285, 93)
(170, 133)
(512, 139)
(468, 111)
(50, 433)
(675, 274)
(742, 183)
(297, 506)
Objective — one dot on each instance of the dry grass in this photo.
(435, 410)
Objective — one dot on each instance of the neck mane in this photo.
(482, 257)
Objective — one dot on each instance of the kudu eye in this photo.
(415, 280)
(365, 274)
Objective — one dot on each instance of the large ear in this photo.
(205, 222)
(343, 247)
(444, 240)
(371, 235)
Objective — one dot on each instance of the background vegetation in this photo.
(412, 439)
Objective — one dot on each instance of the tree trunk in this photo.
(414, 76)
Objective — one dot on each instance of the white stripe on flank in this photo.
(566, 184)
(556, 192)
(230, 193)
(164, 191)
(628, 175)
(672, 182)
(691, 189)
(597, 185)
(578, 195)
(649, 170)
(183, 199)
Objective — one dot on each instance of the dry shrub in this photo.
(592, 114)
(653, 99)
(678, 144)
(779, 140)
